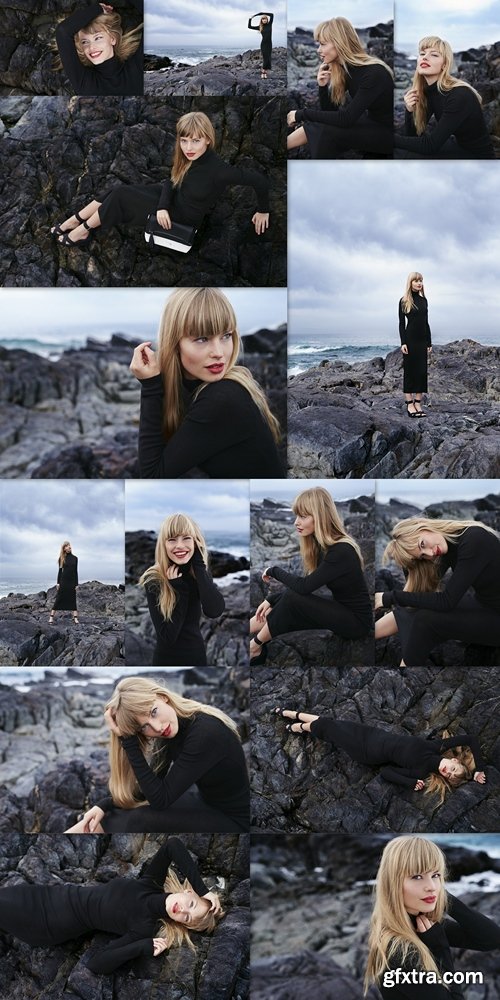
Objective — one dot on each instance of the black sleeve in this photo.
(454, 114)
(253, 27)
(409, 126)
(465, 739)
(76, 72)
(333, 565)
(402, 323)
(212, 601)
(372, 85)
(232, 176)
(122, 950)
(429, 337)
(399, 776)
(169, 631)
(165, 202)
(59, 574)
(174, 852)
(471, 559)
(470, 929)
(437, 943)
(324, 99)
(76, 572)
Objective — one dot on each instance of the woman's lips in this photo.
(429, 899)
(166, 732)
(216, 369)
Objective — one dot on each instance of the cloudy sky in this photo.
(424, 492)
(361, 13)
(353, 238)
(463, 23)
(288, 489)
(217, 506)
(204, 23)
(37, 516)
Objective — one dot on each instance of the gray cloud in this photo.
(200, 23)
(216, 506)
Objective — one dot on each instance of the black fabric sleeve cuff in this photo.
(387, 599)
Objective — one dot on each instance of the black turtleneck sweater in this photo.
(110, 78)
(223, 433)
(204, 183)
(370, 88)
(458, 113)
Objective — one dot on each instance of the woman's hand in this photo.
(429, 350)
(163, 219)
(215, 903)
(144, 364)
(480, 777)
(262, 612)
(159, 945)
(404, 348)
(411, 99)
(92, 818)
(265, 576)
(261, 222)
(173, 572)
(423, 923)
(110, 721)
(420, 784)
(378, 601)
(106, 8)
(323, 75)
(290, 118)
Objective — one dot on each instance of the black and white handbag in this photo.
(178, 237)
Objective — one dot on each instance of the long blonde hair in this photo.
(393, 938)
(339, 32)
(437, 784)
(62, 555)
(423, 574)
(193, 125)
(194, 313)
(445, 83)
(328, 526)
(171, 527)
(175, 933)
(407, 299)
(263, 23)
(132, 697)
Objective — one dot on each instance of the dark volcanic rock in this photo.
(221, 76)
(290, 977)
(349, 421)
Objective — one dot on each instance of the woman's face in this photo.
(421, 892)
(193, 147)
(206, 358)
(417, 285)
(186, 906)
(97, 46)
(327, 52)
(67, 548)
(431, 545)
(161, 720)
(180, 549)
(304, 524)
(451, 768)
(429, 64)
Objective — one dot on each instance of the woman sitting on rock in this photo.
(178, 587)
(198, 178)
(416, 345)
(98, 58)
(410, 929)
(266, 45)
(199, 409)
(460, 130)
(162, 744)
(151, 913)
(411, 761)
(424, 616)
(355, 98)
(331, 558)
(67, 583)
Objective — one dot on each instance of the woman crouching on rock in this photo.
(151, 913)
(424, 615)
(198, 178)
(330, 557)
(161, 745)
(199, 408)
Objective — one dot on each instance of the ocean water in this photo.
(223, 541)
(301, 357)
(192, 55)
(24, 678)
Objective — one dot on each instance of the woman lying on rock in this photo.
(331, 558)
(67, 583)
(355, 98)
(416, 345)
(425, 615)
(411, 931)
(150, 913)
(161, 745)
(411, 761)
(178, 587)
(460, 129)
(266, 45)
(198, 178)
(199, 409)
(98, 58)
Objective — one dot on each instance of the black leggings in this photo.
(188, 814)
(301, 612)
(421, 630)
(326, 142)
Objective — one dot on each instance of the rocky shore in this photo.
(221, 76)
(77, 417)
(349, 421)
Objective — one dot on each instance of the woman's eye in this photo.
(227, 336)
(201, 340)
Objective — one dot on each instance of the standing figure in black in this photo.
(98, 57)
(149, 914)
(67, 582)
(266, 45)
(415, 334)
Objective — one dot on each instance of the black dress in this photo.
(363, 123)
(110, 78)
(179, 641)
(402, 759)
(415, 332)
(460, 132)
(426, 619)
(48, 915)
(348, 612)
(467, 929)
(205, 753)
(266, 45)
(223, 433)
(67, 579)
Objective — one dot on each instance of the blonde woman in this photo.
(199, 408)
(362, 123)
(460, 129)
(416, 344)
(151, 913)
(266, 45)
(330, 558)
(413, 762)
(178, 587)
(410, 929)
(198, 178)
(161, 745)
(67, 583)
(98, 58)
(424, 616)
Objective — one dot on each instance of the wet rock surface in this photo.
(77, 417)
(274, 542)
(301, 784)
(62, 153)
(27, 639)
(222, 76)
(349, 420)
(217, 968)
